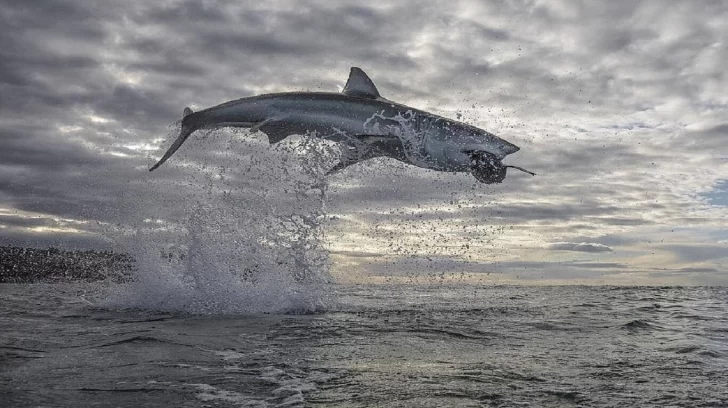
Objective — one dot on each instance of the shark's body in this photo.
(367, 126)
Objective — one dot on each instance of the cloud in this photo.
(579, 247)
(696, 252)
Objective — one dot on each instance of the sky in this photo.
(620, 107)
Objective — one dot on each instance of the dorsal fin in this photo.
(360, 85)
(186, 112)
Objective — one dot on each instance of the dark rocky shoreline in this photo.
(30, 265)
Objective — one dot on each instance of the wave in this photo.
(640, 325)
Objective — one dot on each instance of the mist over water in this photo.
(242, 234)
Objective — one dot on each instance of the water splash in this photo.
(240, 236)
(413, 130)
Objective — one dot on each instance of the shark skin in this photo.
(365, 124)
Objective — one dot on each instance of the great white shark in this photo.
(365, 124)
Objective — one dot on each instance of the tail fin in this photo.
(183, 135)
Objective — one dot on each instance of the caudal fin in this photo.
(183, 135)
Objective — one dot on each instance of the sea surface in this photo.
(404, 345)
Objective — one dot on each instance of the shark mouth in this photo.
(488, 169)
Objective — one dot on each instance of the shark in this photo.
(365, 124)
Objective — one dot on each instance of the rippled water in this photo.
(405, 345)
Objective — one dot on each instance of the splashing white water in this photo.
(411, 129)
(242, 236)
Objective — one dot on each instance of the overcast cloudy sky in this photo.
(619, 106)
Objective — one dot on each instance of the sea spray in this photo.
(242, 235)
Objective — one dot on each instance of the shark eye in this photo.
(486, 168)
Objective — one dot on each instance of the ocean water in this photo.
(404, 345)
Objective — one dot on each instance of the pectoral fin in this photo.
(276, 129)
(352, 154)
(365, 147)
(384, 145)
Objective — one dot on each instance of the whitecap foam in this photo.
(242, 236)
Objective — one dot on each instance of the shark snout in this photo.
(507, 148)
(499, 148)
